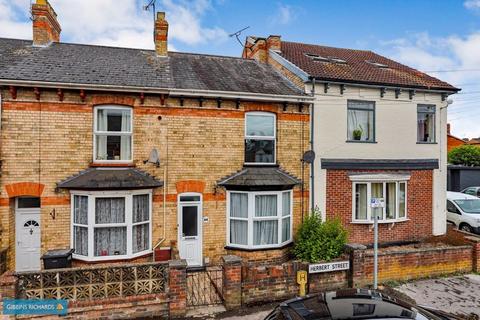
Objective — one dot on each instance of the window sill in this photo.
(379, 222)
(422, 142)
(360, 141)
(113, 164)
(276, 247)
(104, 259)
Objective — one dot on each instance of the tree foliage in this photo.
(320, 241)
(466, 155)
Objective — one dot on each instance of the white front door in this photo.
(190, 228)
(27, 234)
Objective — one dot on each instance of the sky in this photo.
(440, 37)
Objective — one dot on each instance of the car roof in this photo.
(458, 195)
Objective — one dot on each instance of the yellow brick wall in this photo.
(195, 143)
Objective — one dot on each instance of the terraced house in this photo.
(379, 131)
(119, 153)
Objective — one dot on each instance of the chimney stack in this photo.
(274, 43)
(46, 28)
(448, 128)
(161, 35)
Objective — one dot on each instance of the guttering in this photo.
(377, 86)
(174, 92)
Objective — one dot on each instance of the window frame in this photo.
(111, 133)
(369, 217)
(251, 219)
(92, 225)
(373, 109)
(434, 112)
(270, 138)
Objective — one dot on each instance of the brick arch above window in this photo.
(113, 99)
(24, 189)
(190, 186)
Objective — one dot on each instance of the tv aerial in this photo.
(237, 34)
(150, 5)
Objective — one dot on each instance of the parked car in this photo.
(353, 304)
(473, 191)
(463, 210)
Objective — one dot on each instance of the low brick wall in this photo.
(266, 283)
(408, 262)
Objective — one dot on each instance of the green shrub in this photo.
(320, 241)
(466, 155)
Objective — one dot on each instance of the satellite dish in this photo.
(308, 156)
(153, 158)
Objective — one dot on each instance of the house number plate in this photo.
(328, 267)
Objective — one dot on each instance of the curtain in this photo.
(140, 237)
(239, 205)
(109, 210)
(360, 120)
(80, 210)
(265, 232)
(377, 192)
(266, 206)
(141, 208)
(102, 125)
(285, 203)
(80, 240)
(361, 201)
(110, 241)
(125, 140)
(285, 229)
(238, 232)
(391, 200)
(401, 200)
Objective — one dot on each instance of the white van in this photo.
(463, 211)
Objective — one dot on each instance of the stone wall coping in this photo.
(417, 250)
(177, 264)
(231, 259)
(355, 246)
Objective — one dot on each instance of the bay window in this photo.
(259, 219)
(111, 225)
(112, 134)
(260, 138)
(393, 193)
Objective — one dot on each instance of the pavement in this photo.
(457, 295)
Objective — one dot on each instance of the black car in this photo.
(352, 304)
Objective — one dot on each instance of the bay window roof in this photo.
(110, 179)
(264, 178)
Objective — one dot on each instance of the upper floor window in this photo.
(425, 123)
(361, 121)
(113, 133)
(260, 138)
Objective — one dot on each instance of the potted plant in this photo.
(357, 133)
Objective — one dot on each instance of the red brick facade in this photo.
(419, 208)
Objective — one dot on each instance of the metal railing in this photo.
(205, 287)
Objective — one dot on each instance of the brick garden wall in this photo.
(419, 208)
(47, 140)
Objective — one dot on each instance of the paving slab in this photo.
(457, 295)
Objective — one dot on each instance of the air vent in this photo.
(377, 64)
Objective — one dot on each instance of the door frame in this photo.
(199, 205)
(18, 212)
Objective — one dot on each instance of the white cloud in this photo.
(459, 59)
(472, 4)
(115, 22)
(284, 15)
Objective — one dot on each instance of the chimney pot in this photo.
(161, 35)
(46, 28)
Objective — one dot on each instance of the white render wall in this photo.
(395, 135)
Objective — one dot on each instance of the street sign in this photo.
(377, 203)
(328, 267)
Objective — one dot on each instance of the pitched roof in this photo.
(112, 66)
(110, 179)
(358, 66)
(259, 178)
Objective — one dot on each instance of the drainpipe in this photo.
(312, 147)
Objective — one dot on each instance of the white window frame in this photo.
(111, 133)
(274, 137)
(251, 218)
(369, 219)
(128, 195)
